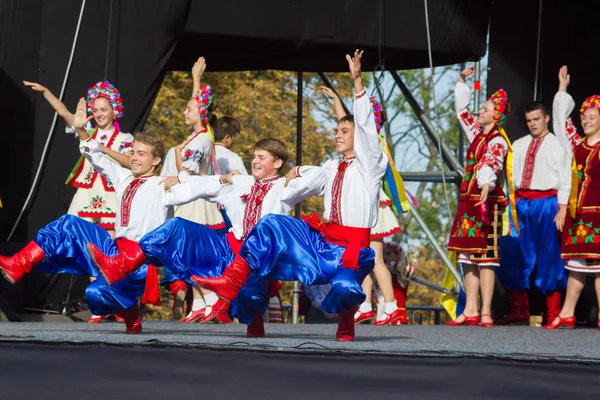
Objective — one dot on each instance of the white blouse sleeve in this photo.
(71, 129)
(492, 162)
(468, 120)
(565, 131)
(126, 144)
(195, 153)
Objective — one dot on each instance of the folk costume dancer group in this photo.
(264, 243)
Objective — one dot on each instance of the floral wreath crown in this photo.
(376, 112)
(590, 102)
(499, 100)
(110, 92)
(204, 98)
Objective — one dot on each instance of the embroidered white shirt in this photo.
(362, 180)
(278, 200)
(149, 204)
(551, 169)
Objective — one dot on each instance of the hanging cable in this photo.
(108, 41)
(50, 133)
(435, 109)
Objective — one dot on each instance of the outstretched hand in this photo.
(292, 174)
(354, 63)
(35, 86)
(199, 68)
(169, 182)
(80, 118)
(564, 79)
(229, 177)
(328, 92)
(466, 73)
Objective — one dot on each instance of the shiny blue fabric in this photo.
(103, 299)
(252, 298)
(535, 251)
(187, 248)
(64, 242)
(284, 248)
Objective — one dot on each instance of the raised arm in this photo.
(197, 72)
(369, 156)
(337, 102)
(91, 150)
(58, 106)
(562, 107)
(121, 156)
(462, 99)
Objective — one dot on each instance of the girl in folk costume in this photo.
(196, 156)
(95, 200)
(581, 232)
(477, 228)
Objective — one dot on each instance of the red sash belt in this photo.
(535, 194)
(151, 291)
(353, 239)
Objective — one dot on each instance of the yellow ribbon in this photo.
(574, 186)
(397, 177)
(511, 188)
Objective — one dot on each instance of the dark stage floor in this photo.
(170, 360)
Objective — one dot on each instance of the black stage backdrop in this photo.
(569, 36)
(148, 37)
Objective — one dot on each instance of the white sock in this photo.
(198, 304)
(365, 307)
(210, 299)
(390, 307)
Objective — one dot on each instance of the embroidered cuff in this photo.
(361, 94)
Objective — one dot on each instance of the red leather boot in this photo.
(257, 328)
(345, 331)
(133, 323)
(13, 268)
(113, 269)
(229, 284)
(519, 309)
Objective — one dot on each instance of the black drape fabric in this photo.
(145, 38)
(37, 45)
(568, 35)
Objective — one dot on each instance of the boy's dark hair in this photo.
(226, 126)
